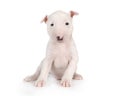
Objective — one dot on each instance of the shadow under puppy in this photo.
(61, 54)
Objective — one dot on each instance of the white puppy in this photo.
(61, 54)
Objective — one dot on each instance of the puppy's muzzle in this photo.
(59, 38)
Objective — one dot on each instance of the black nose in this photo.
(59, 39)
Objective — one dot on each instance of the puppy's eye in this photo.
(66, 23)
(52, 24)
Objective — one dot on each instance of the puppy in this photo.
(61, 54)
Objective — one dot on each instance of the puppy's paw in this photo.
(29, 79)
(66, 83)
(39, 83)
(77, 77)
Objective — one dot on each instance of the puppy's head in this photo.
(59, 25)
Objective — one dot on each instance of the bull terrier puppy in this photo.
(61, 54)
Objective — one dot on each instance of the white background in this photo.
(23, 43)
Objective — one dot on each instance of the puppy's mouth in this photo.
(59, 39)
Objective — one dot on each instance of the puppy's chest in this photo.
(62, 56)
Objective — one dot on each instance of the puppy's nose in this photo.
(59, 39)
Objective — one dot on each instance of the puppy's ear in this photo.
(44, 19)
(72, 13)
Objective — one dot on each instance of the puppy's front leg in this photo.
(45, 69)
(68, 75)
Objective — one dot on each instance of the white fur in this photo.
(61, 56)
